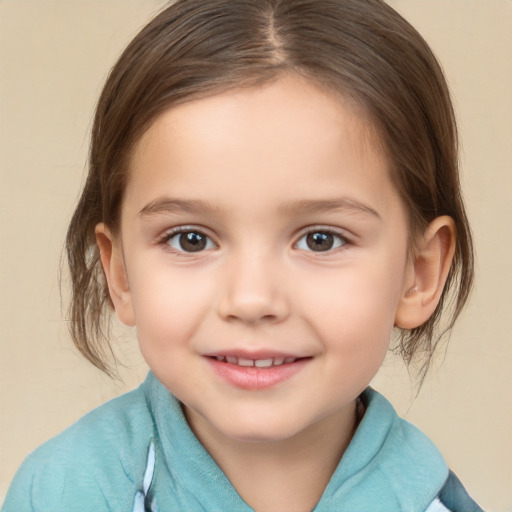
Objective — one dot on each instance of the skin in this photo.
(259, 169)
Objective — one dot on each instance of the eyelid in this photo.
(346, 239)
(172, 232)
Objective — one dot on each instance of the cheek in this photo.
(355, 309)
(356, 335)
(168, 307)
(166, 319)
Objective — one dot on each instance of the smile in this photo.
(259, 363)
(256, 374)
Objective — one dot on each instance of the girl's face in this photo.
(263, 256)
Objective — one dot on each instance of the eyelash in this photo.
(176, 233)
(339, 243)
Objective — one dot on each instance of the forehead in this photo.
(268, 137)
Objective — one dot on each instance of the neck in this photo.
(289, 474)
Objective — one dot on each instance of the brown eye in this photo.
(320, 241)
(190, 241)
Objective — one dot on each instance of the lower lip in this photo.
(254, 378)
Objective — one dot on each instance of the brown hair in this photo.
(362, 49)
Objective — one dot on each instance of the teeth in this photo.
(259, 363)
(263, 363)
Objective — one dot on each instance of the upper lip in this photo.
(254, 355)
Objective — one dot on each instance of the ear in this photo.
(427, 274)
(115, 272)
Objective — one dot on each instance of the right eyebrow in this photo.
(170, 205)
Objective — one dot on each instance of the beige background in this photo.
(54, 56)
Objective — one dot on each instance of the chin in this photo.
(258, 433)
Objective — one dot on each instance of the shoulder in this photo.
(455, 498)
(398, 467)
(403, 444)
(85, 463)
(411, 466)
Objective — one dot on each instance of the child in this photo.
(272, 190)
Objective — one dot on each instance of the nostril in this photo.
(253, 301)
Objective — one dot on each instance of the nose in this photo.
(254, 291)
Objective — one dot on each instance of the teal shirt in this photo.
(137, 453)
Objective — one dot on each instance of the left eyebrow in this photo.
(170, 205)
(327, 205)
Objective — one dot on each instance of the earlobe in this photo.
(115, 273)
(428, 273)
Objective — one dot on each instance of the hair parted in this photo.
(361, 49)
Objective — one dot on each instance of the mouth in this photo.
(258, 372)
(258, 363)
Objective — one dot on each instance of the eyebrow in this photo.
(326, 205)
(309, 206)
(170, 205)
